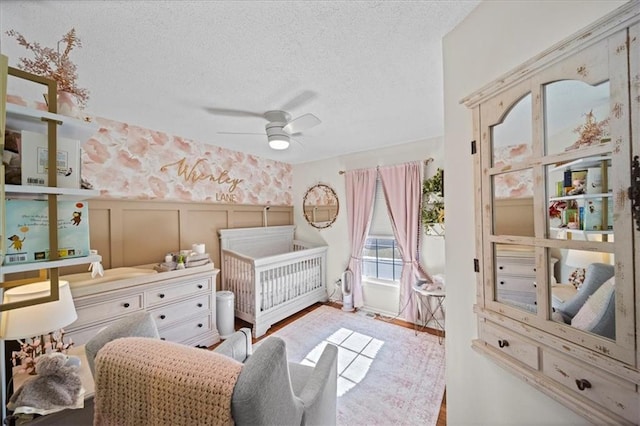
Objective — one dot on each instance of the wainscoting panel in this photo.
(130, 233)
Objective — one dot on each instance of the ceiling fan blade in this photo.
(233, 112)
(298, 100)
(297, 141)
(301, 123)
(241, 133)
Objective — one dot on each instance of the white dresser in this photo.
(182, 302)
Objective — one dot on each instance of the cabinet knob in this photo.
(162, 338)
(583, 384)
(200, 325)
(500, 267)
(200, 285)
(503, 343)
(501, 282)
(161, 295)
(163, 316)
(126, 305)
(199, 305)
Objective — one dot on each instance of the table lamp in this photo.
(38, 319)
(35, 320)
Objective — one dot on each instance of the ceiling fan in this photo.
(280, 127)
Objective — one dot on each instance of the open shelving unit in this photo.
(55, 125)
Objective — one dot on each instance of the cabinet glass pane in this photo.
(580, 203)
(513, 203)
(516, 276)
(511, 139)
(576, 115)
(584, 295)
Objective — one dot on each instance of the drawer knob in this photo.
(500, 267)
(501, 282)
(163, 316)
(162, 338)
(199, 305)
(200, 325)
(161, 295)
(199, 285)
(583, 384)
(503, 343)
(126, 305)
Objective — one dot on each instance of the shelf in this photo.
(583, 232)
(582, 163)
(36, 266)
(40, 192)
(22, 118)
(581, 197)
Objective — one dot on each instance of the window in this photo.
(381, 259)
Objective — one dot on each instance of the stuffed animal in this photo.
(55, 385)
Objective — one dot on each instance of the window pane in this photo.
(381, 259)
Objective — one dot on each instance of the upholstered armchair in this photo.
(267, 390)
(181, 385)
(593, 306)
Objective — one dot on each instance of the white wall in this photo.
(336, 237)
(496, 37)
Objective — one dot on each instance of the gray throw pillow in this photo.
(596, 275)
(138, 324)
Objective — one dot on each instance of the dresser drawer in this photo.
(107, 309)
(170, 314)
(165, 294)
(515, 266)
(526, 297)
(611, 392)
(511, 344)
(187, 330)
(516, 283)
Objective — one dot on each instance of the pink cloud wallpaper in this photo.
(124, 161)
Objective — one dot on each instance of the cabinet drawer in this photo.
(509, 343)
(516, 283)
(170, 314)
(187, 330)
(107, 309)
(516, 266)
(168, 293)
(609, 391)
(82, 335)
(526, 297)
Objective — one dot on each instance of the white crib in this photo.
(271, 275)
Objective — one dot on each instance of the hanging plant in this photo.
(433, 199)
(53, 64)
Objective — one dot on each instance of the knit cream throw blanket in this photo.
(142, 381)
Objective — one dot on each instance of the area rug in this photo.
(388, 374)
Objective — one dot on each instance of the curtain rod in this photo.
(426, 162)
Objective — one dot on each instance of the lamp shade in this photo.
(38, 319)
(583, 258)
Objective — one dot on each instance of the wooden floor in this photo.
(442, 417)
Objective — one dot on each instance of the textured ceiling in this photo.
(370, 70)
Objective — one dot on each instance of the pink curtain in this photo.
(361, 189)
(402, 187)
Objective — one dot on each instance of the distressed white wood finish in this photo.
(271, 275)
(552, 356)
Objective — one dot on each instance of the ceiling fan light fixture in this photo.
(279, 142)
